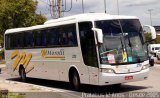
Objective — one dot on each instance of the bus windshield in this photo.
(123, 42)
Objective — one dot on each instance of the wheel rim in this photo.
(75, 81)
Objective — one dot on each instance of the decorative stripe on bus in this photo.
(54, 56)
(21, 59)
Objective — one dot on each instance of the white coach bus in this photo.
(93, 48)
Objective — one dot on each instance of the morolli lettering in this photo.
(52, 53)
(58, 52)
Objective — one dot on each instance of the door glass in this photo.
(88, 46)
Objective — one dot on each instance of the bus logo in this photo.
(52, 53)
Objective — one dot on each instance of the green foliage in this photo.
(18, 13)
(148, 37)
(158, 39)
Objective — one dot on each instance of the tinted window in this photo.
(62, 36)
(88, 46)
(69, 36)
(28, 39)
(43, 38)
(50, 37)
(8, 41)
(53, 37)
(38, 38)
(19, 41)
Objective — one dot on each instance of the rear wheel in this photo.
(22, 74)
(75, 80)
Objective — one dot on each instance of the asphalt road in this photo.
(152, 84)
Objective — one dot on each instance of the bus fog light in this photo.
(105, 70)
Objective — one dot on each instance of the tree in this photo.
(18, 13)
(148, 37)
(158, 39)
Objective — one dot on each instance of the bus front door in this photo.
(88, 49)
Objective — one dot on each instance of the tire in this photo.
(75, 80)
(22, 74)
(151, 62)
(158, 58)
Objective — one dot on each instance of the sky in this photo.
(137, 8)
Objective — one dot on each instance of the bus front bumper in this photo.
(112, 78)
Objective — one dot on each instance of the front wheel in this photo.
(158, 57)
(22, 74)
(75, 80)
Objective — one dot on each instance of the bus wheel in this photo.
(75, 80)
(158, 57)
(22, 74)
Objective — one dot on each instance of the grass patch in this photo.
(16, 95)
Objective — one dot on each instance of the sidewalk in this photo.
(2, 67)
(13, 89)
(156, 61)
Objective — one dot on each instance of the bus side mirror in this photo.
(99, 34)
(150, 29)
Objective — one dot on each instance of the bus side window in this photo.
(69, 37)
(64, 39)
(8, 43)
(37, 36)
(20, 40)
(53, 37)
(14, 41)
(72, 35)
(31, 39)
(43, 37)
(28, 40)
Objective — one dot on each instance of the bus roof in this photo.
(72, 19)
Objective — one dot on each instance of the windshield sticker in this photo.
(52, 53)
(130, 59)
(124, 54)
(111, 58)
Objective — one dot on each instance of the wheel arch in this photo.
(71, 69)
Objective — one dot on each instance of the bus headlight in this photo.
(145, 66)
(107, 70)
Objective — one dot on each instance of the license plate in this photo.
(128, 77)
